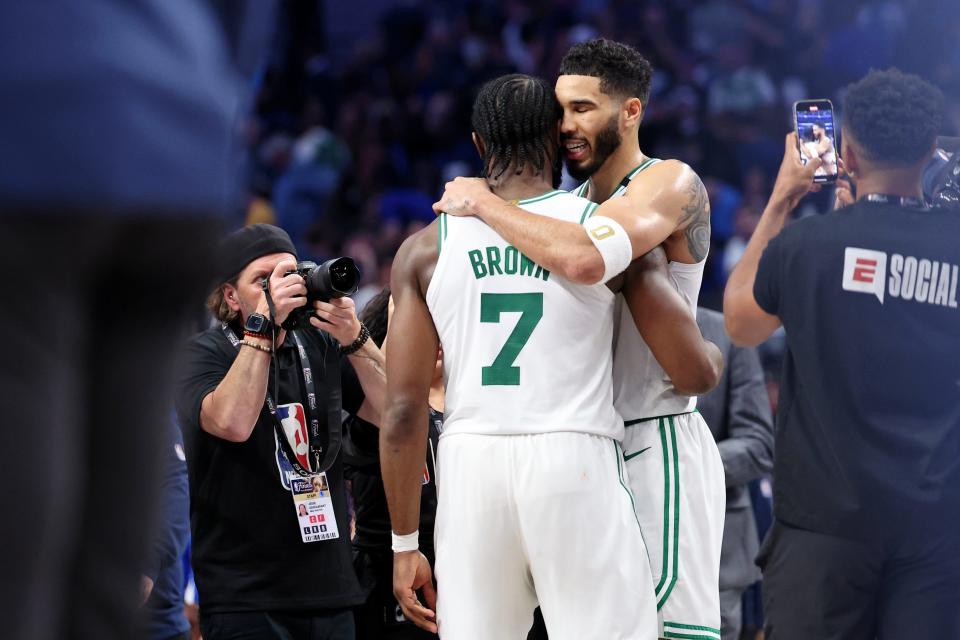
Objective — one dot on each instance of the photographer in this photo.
(262, 569)
(865, 541)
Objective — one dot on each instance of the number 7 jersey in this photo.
(524, 351)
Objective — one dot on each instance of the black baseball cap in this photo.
(245, 245)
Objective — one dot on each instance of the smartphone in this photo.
(817, 136)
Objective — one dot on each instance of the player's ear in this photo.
(633, 110)
(478, 143)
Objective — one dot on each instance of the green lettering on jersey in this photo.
(510, 258)
(493, 260)
(526, 266)
(476, 261)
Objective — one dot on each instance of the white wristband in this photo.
(613, 243)
(407, 542)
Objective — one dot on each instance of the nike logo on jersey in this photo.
(634, 454)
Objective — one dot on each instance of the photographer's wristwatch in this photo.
(258, 324)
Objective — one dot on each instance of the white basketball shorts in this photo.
(677, 477)
(542, 519)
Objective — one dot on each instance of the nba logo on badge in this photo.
(865, 271)
(295, 428)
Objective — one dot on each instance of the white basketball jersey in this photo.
(524, 351)
(641, 388)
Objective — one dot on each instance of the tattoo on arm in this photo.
(375, 364)
(695, 219)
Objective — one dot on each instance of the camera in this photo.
(334, 278)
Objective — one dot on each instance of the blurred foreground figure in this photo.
(116, 124)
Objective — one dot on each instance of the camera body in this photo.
(335, 278)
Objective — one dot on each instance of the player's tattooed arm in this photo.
(695, 217)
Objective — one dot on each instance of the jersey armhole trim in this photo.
(441, 232)
(588, 211)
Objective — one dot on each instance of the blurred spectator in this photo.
(164, 578)
(118, 124)
(743, 226)
(727, 73)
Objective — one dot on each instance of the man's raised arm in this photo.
(411, 357)
(746, 322)
(652, 209)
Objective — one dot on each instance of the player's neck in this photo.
(905, 183)
(620, 163)
(520, 186)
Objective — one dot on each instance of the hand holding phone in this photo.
(817, 136)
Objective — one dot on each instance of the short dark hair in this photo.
(515, 116)
(620, 67)
(893, 116)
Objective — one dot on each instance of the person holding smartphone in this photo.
(865, 542)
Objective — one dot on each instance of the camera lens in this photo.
(334, 279)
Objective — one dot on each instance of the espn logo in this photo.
(865, 271)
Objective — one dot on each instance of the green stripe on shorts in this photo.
(689, 636)
(710, 631)
(671, 472)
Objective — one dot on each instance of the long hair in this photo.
(516, 116)
(374, 316)
(217, 304)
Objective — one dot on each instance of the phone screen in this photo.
(817, 136)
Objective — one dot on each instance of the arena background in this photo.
(362, 109)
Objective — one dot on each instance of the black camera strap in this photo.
(320, 458)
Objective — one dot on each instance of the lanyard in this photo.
(903, 201)
(319, 459)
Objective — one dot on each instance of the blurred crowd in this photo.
(349, 146)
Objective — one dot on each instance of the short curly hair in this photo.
(893, 116)
(620, 67)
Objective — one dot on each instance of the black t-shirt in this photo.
(247, 551)
(869, 414)
(362, 462)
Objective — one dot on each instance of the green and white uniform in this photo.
(533, 504)
(674, 468)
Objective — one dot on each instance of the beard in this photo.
(607, 141)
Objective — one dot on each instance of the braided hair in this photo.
(516, 117)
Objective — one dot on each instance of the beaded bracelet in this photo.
(258, 347)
